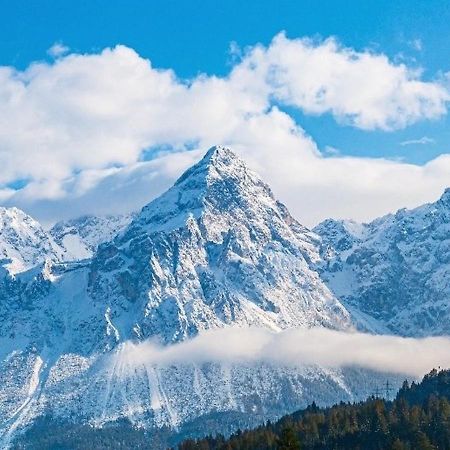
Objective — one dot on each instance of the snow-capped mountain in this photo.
(394, 270)
(216, 250)
(80, 237)
(23, 242)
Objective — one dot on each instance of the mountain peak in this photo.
(220, 154)
(220, 181)
(218, 162)
(445, 197)
(23, 241)
(216, 248)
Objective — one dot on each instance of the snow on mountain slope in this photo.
(23, 242)
(100, 390)
(216, 249)
(395, 270)
(80, 237)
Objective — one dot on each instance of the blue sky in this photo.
(195, 37)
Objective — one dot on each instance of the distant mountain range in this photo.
(216, 250)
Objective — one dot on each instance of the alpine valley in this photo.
(216, 250)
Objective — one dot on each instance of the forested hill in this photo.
(418, 419)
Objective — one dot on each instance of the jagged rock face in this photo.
(79, 238)
(395, 269)
(216, 249)
(37, 306)
(23, 242)
(101, 389)
(27, 252)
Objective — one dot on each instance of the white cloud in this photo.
(359, 88)
(58, 49)
(101, 192)
(422, 141)
(76, 129)
(296, 347)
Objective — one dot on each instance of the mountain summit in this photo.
(220, 183)
(23, 242)
(216, 249)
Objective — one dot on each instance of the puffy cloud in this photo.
(359, 88)
(102, 192)
(78, 130)
(298, 348)
(94, 111)
(315, 187)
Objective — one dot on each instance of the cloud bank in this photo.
(77, 132)
(297, 347)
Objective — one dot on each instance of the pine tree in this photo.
(423, 443)
(399, 445)
(288, 439)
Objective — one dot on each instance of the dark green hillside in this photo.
(418, 419)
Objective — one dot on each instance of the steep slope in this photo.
(80, 237)
(23, 242)
(216, 249)
(395, 269)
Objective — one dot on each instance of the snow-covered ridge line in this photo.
(216, 251)
(24, 243)
(394, 269)
(79, 238)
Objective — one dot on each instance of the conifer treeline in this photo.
(418, 419)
